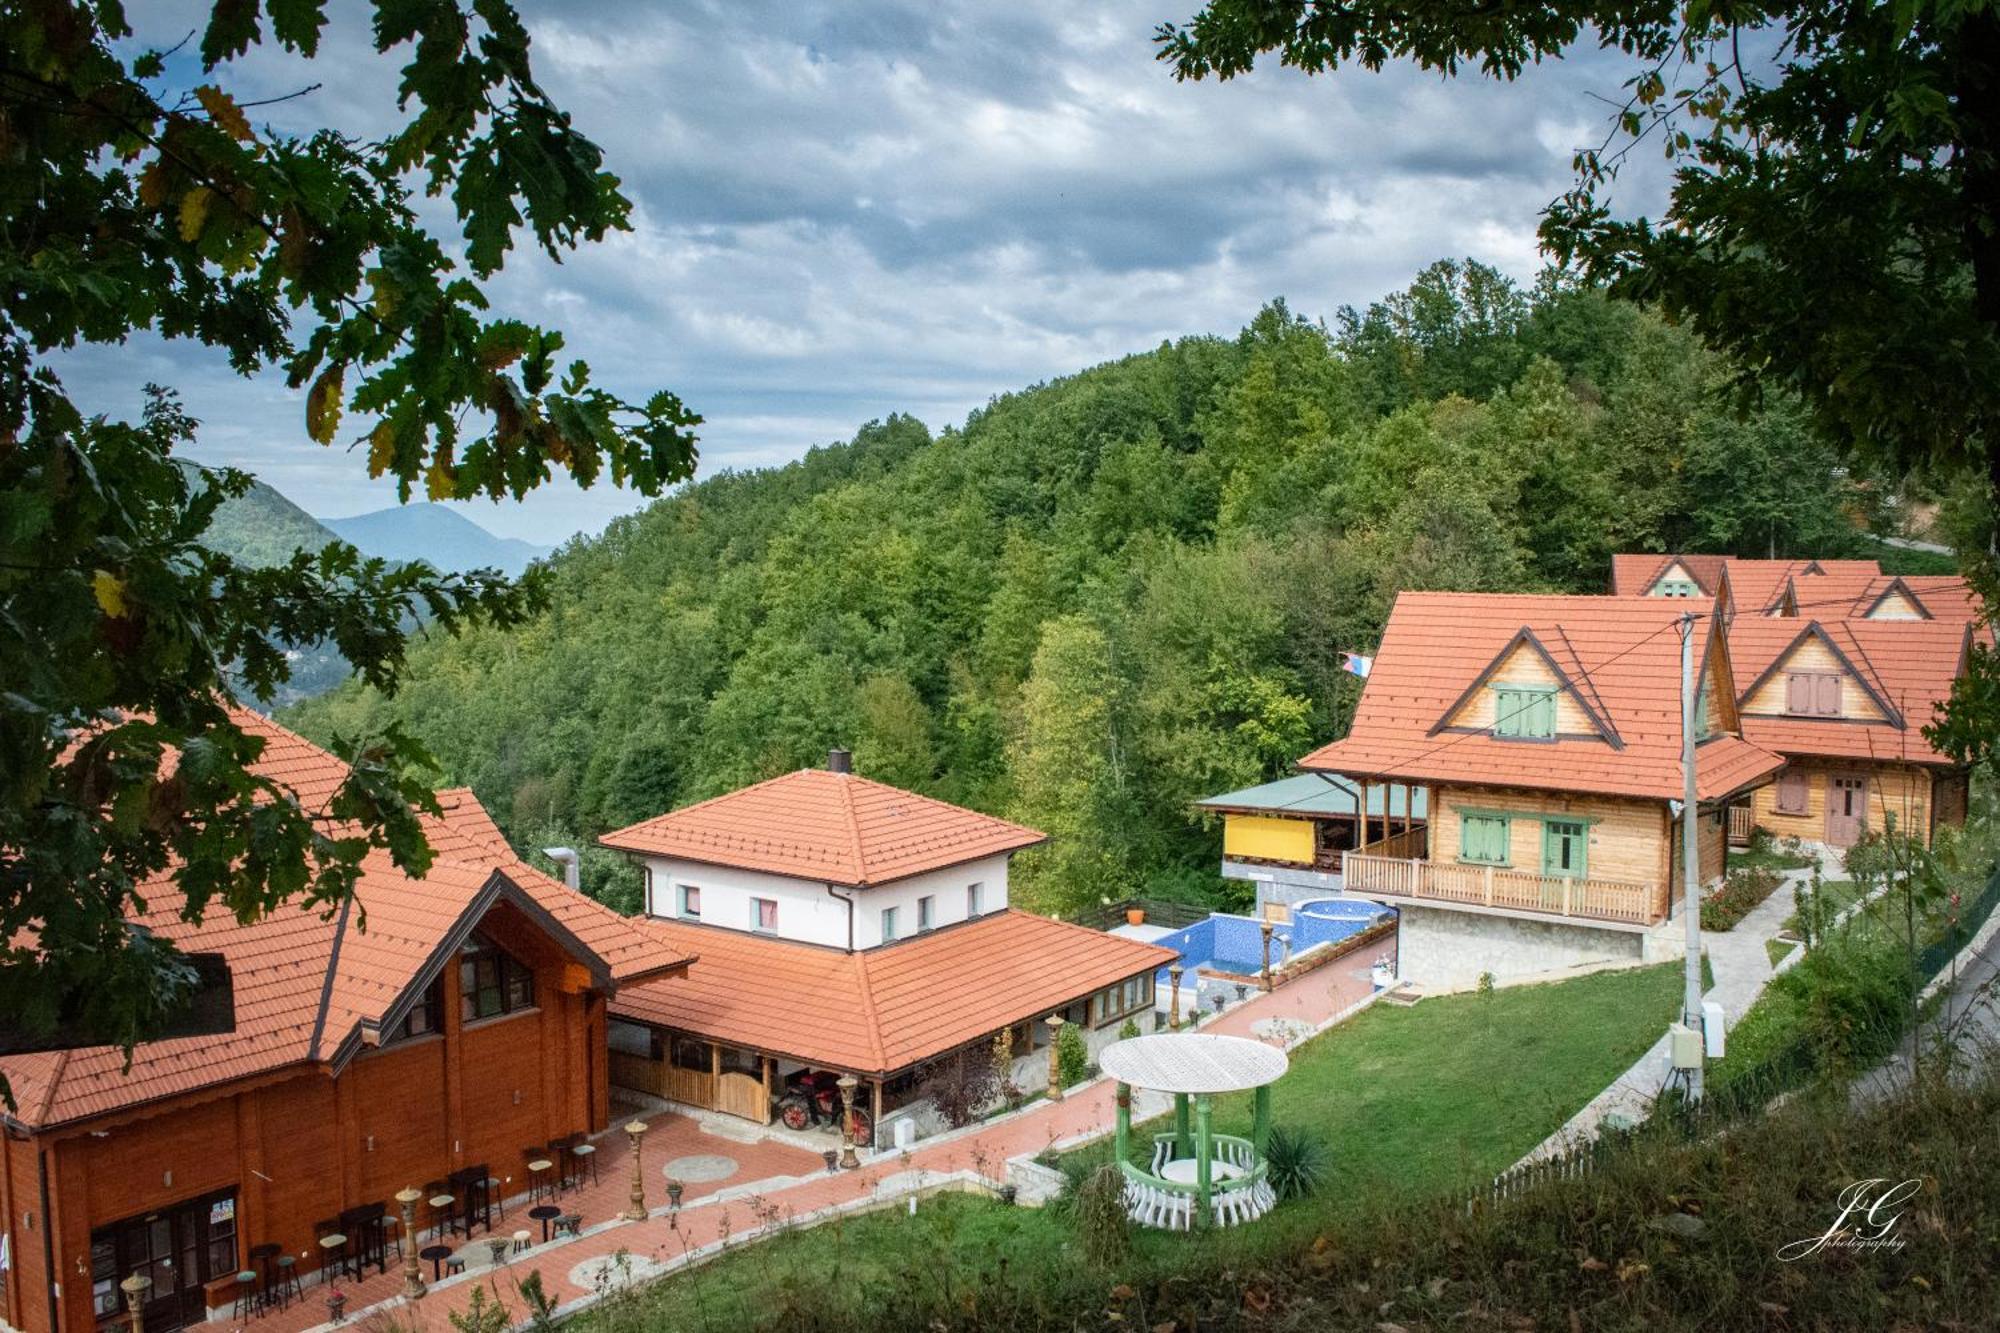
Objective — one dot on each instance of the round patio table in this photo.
(437, 1254)
(1186, 1171)
(545, 1213)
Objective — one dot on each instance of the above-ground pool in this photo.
(1227, 945)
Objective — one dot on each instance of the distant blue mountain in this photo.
(436, 533)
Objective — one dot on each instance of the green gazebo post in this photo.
(1204, 1160)
(1183, 1139)
(1124, 1122)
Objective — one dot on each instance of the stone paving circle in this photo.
(701, 1167)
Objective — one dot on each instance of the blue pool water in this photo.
(1235, 944)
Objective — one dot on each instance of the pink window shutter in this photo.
(1829, 696)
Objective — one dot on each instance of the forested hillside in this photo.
(1109, 595)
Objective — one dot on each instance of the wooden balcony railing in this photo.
(1742, 820)
(1412, 843)
(1626, 901)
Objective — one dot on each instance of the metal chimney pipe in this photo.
(571, 863)
(839, 761)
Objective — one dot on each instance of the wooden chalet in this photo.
(1844, 702)
(1547, 732)
(428, 1027)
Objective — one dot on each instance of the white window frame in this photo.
(888, 924)
(757, 906)
(975, 899)
(683, 895)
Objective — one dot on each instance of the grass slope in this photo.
(1412, 1103)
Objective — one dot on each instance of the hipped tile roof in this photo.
(881, 1010)
(1621, 655)
(835, 828)
(305, 982)
(1909, 665)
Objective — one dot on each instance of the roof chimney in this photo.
(569, 861)
(839, 761)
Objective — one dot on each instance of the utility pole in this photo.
(1690, 851)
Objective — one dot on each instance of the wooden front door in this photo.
(1846, 809)
(180, 1248)
(1565, 848)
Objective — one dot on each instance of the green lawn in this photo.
(1777, 950)
(1409, 1102)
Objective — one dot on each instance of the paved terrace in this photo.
(773, 1184)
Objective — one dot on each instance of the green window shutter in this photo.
(1483, 838)
(1524, 712)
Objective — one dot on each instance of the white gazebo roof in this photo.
(1193, 1062)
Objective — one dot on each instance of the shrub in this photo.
(1102, 1225)
(1128, 1030)
(1072, 1055)
(1295, 1161)
(1742, 889)
(961, 1085)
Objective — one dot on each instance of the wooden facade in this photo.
(280, 1152)
(1811, 797)
(1579, 856)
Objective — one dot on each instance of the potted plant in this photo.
(336, 1305)
(832, 1159)
(1135, 916)
(674, 1191)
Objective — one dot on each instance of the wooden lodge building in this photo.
(430, 1026)
(1845, 702)
(843, 927)
(1547, 734)
(1840, 667)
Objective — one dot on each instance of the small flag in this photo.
(1359, 664)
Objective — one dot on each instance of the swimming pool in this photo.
(1224, 944)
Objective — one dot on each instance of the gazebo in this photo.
(1196, 1177)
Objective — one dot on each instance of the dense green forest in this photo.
(1109, 595)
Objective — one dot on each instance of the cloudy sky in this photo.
(894, 205)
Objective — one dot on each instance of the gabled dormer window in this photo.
(1524, 712)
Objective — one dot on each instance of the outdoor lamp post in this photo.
(1267, 955)
(413, 1273)
(847, 1083)
(135, 1288)
(636, 1211)
(1055, 1057)
(1174, 996)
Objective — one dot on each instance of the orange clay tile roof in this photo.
(1634, 574)
(1940, 596)
(836, 828)
(1907, 664)
(305, 983)
(1620, 656)
(881, 1010)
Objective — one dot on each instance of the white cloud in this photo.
(894, 207)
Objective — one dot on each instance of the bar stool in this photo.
(389, 1231)
(523, 1240)
(247, 1295)
(584, 1155)
(541, 1175)
(287, 1266)
(496, 1191)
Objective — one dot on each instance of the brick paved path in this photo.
(775, 1184)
